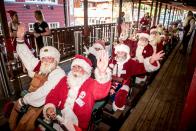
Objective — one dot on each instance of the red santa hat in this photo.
(144, 35)
(99, 44)
(83, 62)
(12, 13)
(50, 51)
(121, 98)
(122, 47)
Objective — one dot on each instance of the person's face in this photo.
(98, 49)
(143, 41)
(15, 18)
(121, 55)
(77, 71)
(48, 64)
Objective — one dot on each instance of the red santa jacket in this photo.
(89, 92)
(132, 45)
(143, 52)
(144, 21)
(127, 70)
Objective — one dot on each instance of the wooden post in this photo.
(86, 28)
(151, 7)
(4, 20)
(173, 15)
(120, 10)
(138, 15)
(155, 14)
(169, 16)
(160, 6)
(164, 15)
(112, 9)
(65, 11)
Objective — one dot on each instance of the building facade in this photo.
(53, 11)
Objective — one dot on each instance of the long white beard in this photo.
(75, 80)
(94, 52)
(154, 39)
(46, 68)
(141, 43)
(121, 59)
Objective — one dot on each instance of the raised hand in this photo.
(157, 56)
(21, 32)
(102, 61)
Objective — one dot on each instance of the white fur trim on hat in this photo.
(139, 79)
(149, 67)
(45, 109)
(50, 51)
(125, 87)
(144, 35)
(105, 78)
(122, 47)
(153, 30)
(115, 108)
(98, 45)
(83, 64)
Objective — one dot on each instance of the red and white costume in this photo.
(76, 97)
(155, 41)
(32, 65)
(142, 52)
(126, 70)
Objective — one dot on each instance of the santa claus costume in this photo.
(155, 40)
(143, 51)
(36, 96)
(78, 95)
(93, 52)
(126, 69)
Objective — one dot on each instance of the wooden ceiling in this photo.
(181, 4)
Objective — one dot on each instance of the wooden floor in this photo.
(160, 107)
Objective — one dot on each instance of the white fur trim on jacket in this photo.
(37, 98)
(45, 109)
(83, 64)
(125, 87)
(68, 119)
(122, 47)
(105, 78)
(139, 79)
(149, 67)
(115, 108)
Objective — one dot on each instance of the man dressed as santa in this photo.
(93, 51)
(76, 94)
(46, 75)
(143, 51)
(155, 40)
(124, 67)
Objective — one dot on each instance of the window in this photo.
(31, 27)
(53, 25)
(43, 1)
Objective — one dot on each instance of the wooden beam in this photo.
(65, 11)
(155, 13)
(169, 16)
(86, 29)
(120, 10)
(160, 6)
(4, 20)
(164, 15)
(151, 7)
(138, 15)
